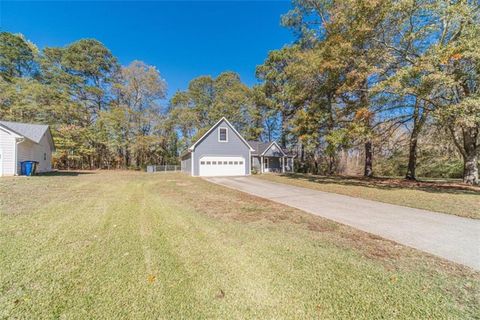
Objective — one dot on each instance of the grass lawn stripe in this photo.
(131, 245)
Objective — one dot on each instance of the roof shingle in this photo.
(33, 132)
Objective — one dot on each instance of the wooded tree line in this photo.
(364, 72)
(390, 86)
(103, 115)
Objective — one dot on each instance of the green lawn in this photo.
(135, 245)
(439, 196)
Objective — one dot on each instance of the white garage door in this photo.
(222, 166)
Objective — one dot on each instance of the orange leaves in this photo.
(363, 114)
(452, 58)
(456, 56)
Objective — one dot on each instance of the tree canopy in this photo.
(368, 87)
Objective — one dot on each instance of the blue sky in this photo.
(182, 39)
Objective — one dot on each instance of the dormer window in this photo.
(222, 134)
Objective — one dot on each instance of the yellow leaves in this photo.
(151, 278)
(393, 279)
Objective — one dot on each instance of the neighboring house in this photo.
(222, 151)
(20, 142)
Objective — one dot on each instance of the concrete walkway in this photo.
(447, 236)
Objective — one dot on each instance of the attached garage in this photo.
(222, 166)
(222, 151)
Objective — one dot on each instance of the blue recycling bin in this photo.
(27, 168)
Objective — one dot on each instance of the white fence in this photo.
(165, 168)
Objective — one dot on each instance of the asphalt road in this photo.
(451, 237)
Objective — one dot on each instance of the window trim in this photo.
(226, 134)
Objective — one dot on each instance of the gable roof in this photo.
(33, 132)
(276, 144)
(259, 146)
(262, 147)
(192, 147)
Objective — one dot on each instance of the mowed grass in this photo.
(124, 245)
(439, 196)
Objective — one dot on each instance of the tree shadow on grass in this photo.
(389, 183)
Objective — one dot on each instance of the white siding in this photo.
(40, 152)
(43, 154)
(24, 153)
(7, 146)
(11, 143)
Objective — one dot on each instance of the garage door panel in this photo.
(222, 166)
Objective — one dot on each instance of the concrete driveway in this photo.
(447, 236)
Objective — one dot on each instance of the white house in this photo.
(20, 142)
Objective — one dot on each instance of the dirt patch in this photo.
(373, 246)
(320, 227)
(247, 208)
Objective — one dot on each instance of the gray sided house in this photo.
(270, 157)
(222, 151)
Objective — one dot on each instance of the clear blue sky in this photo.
(182, 39)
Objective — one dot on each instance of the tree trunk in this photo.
(470, 169)
(127, 158)
(412, 158)
(283, 138)
(368, 172)
(419, 118)
(331, 165)
(470, 156)
(90, 162)
(331, 149)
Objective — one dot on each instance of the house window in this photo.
(265, 164)
(45, 156)
(222, 134)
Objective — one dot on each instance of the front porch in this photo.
(264, 164)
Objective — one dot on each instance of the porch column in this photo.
(283, 164)
(261, 164)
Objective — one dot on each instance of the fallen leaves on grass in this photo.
(220, 294)
(151, 278)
